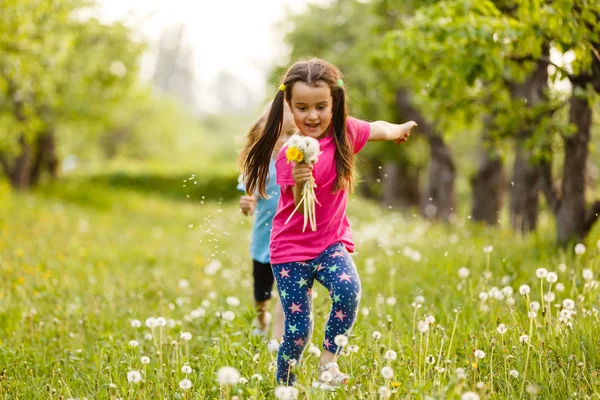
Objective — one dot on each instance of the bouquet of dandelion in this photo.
(304, 149)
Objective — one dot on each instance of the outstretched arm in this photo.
(381, 130)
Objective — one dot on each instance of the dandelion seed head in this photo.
(228, 376)
(524, 290)
(541, 273)
(568, 304)
(341, 340)
(314, 350)
(326, 377)
(390, 355)
(430, 359)
(136, 323)
(514, 373)
(384, 392)
(387, 372)
(469, 396)
(232, 301)
(552, 277)
(160, 321)
(151, 322)
(559, 287)
(460, 373)
(535, 306)
(228, 316)
(587, 274)
(501, 329)
(183, 284)
(479, 354)
(134, 377)
(185, 384)
(133, 343)
(579, 249)
(145, 360)
(488, 249)
(463, 273)
(273, 346)
(549, 297)
(186, 369)
(524, 338)
(376, 335)
(185, 336)
(257, 377)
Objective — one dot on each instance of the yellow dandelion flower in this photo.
(396, 384)
(294, 154)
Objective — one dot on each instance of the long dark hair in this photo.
(311, 72)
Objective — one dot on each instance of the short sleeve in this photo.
(359, 132)
(240, 186)
(284, 170)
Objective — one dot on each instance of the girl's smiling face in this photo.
(312, 108)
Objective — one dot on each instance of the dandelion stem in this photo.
(527, 357)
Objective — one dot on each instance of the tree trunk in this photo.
(489, 181)
(571, 216)
(400, 187)
(524, 205)
(45, 157)
(439, 199)
(21, 170)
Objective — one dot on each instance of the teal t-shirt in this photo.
(263, 218)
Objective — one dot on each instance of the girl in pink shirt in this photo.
(315, 93)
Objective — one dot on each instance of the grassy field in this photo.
(83, 261)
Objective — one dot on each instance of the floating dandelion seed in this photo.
(134, 376)
(228, 376)
(541, 273)
(135, 323)
(185, 384)
(390, 355)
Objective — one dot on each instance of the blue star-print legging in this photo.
(334, 269)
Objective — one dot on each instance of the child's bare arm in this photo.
(382, 130)
(248, 204)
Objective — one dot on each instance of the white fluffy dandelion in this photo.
(387, 372)
(341, 340)
(134, 377)
(552, 277)
(272, 346)
(524, 290)
(390, 355)
(479, 354)
(160, 321)
(524, 338)
(228, 376)
(151, 322)
(587, 274)
(136, 323)
(463, 273)
(133, 343)
(232, 301)
(376, 335)
(145, 360)
(469, 396)
(514, 373)
(579, 249)
(286, 393)
(185, 384)
(568, 304)
(228, 316)
(541, 273)
(384, 392)
(501, 329)
(186, 369)
(488, 249)
(185, 336)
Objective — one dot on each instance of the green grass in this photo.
(81, 259)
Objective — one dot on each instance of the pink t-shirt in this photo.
(288, 242)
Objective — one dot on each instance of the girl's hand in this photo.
(247, 204)
(405, 131)
(301, 173)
